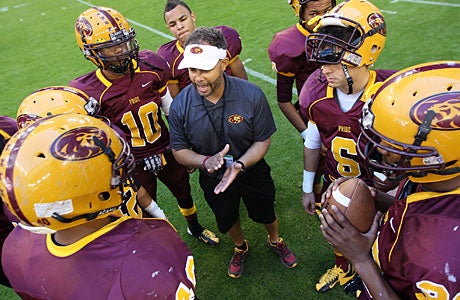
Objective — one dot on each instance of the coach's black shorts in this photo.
(255, 187)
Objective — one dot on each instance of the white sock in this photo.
(155, 211)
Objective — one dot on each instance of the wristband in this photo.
(203, 167)
(307, 183)
(243, 167)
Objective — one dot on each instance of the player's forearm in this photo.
(173, 89)
(383, 201)
(375, 283)
(310, 159)
(292, 115)
(238, 69)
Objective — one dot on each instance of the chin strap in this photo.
(424, 128)
(320, 77)
(349, 79)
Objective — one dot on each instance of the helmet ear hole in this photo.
(104, 196)
(374, 48)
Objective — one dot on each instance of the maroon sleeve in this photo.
(288, 58)
(232, 37)
(284, 88)
(158, 64)
(312, 90)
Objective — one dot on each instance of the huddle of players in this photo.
(387, 128)
(346, 39)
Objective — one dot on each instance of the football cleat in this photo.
(206, 236)
(286, 256)
(333, 276)
(354, 287)
(236, 266)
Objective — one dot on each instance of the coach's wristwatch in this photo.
(243, 167)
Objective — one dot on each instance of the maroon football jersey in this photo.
(418, 246)
(172, 52)
(133, 103)
(287, 54)
(127, 259)
(339, 130)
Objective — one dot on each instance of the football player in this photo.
(347, 42)
(409, 133)
(180, 20)
(66, 173)
(289, 60)
(54, 100)
(131, 88)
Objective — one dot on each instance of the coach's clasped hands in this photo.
(216, 161)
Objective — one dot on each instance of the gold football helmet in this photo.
(352, 33)
(99, 28)
(64, 170)
(414, 115)
(55, 100)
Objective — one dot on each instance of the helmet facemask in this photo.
(119, 63)
(355, 30)
(414, 159)
(335, 44)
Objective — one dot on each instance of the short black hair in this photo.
(207, 35)
(172, 4)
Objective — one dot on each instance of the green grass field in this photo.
(38, 49)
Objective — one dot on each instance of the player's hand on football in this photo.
(345, 238)
(215, 162)
(332, 186)
(308, 202)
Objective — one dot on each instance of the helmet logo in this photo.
(446, 107)
(196, 50)
(83, 27)
(235, 119)
(78, 144)
(376, 20)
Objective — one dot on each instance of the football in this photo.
(355, 201)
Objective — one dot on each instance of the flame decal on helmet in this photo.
(446, 107)
(78, 144)
(83, 27)
(375, 20)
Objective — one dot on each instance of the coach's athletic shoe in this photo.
(286, 256)
(206, 236)
(236, 266)
(333, 276)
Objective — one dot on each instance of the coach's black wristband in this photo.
(243, 167)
